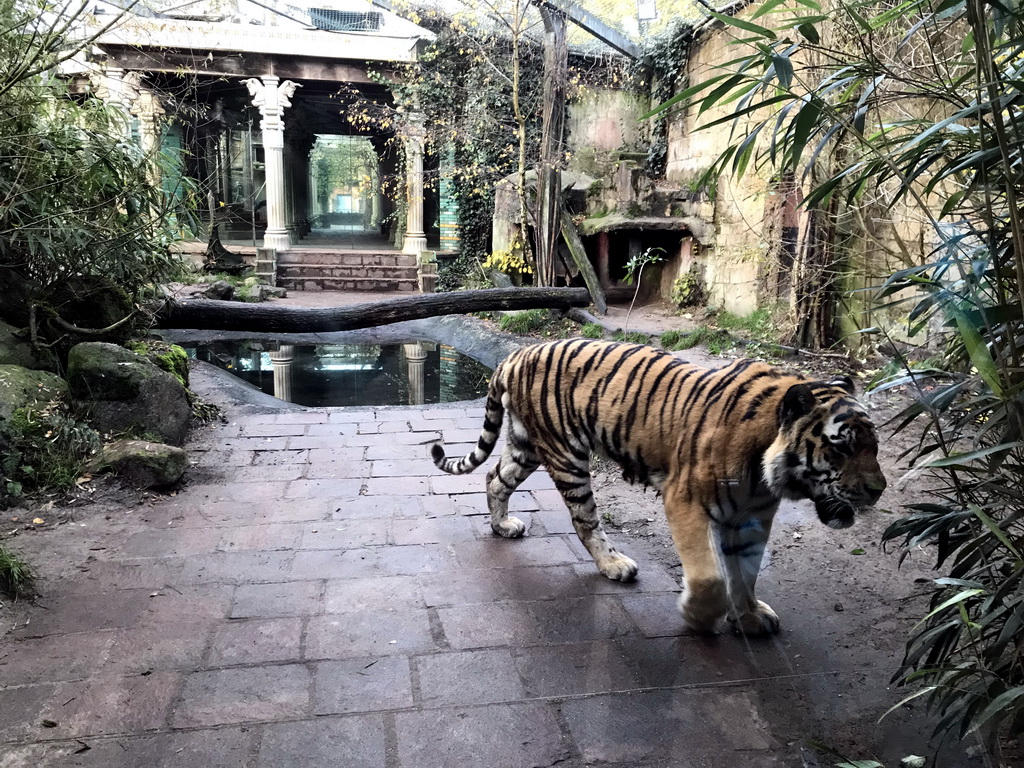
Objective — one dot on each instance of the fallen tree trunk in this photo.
(210, 315)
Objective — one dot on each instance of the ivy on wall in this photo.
(462, 86)
(665, 58)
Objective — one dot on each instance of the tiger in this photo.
(723, 446)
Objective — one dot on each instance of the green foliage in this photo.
(462, 84)
(525, 322)
(665, 59)
(592, 331)
(16, 577)
(48, 449)
(75, 199)
(688, 290)
(757, 325)
(632, 337)
(345, 162)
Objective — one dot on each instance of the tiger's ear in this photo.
(845, 383)
(798, 401)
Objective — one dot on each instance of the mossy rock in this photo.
(124, 392)
(166, 357)
(142, 463)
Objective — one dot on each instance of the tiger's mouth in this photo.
(835, 513)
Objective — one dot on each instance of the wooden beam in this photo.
(594, 26)
(579, 256)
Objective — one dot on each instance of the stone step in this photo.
(348, 284)
(347, 258)
(316, 271)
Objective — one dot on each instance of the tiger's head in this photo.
(826, 451)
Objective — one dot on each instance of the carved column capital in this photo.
(271, 97)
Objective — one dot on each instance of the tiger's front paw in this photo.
(761, 622)
(618, 567)
(510, 528)
(703, 604)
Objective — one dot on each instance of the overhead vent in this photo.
(344, 21)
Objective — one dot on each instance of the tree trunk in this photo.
(549, 177)
(517, 111)
(206, 314)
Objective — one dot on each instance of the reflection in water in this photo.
(281, 358)
(351, 374)
(415, 356)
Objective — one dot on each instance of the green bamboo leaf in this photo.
(965, 458)
(803, 124)
(979, 353)
(686, 95)
(747, 26)
(747, 110)
(708, 101)
(810, 32)
(996, 531)
(783, 69)
(956, 599)
(901, 10)
(767, 7)
(1002, 705)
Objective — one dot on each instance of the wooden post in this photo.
(603, 248)
(549, 176)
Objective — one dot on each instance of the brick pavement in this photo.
(319, 595)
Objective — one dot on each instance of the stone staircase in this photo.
(313, 270)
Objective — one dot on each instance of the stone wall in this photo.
(733, 262)
(745, 264)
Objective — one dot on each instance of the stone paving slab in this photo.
(331, 600)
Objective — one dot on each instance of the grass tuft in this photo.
(527, 321)
(592, 331)
(16, 577)
(633, 337)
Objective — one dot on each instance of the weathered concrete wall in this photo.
(734, 261)
(601, 123)
(743, 266)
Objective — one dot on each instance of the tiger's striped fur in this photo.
(723, 446)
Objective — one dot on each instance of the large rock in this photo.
(142, 463)
(123, 392)
(17, 350)
(21, 387)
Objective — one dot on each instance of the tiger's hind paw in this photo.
(761, 622)
(618, 567)
(510, 528)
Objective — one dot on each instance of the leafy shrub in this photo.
(688, 290)
(49, 449)
(592, 331)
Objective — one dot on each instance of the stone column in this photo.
(272, 97)
(148, 111)
(289, 193)
(415, 238)
(282, 358)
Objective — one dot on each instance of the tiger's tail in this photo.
(493, 416)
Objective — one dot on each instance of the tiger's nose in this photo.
(873, 488)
